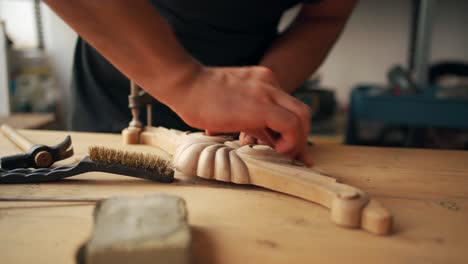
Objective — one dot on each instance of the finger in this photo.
(211, 133)
(288, 125)
(263, 136)
(246, 139)
(296, 106)
(266, 137)
(306, 156)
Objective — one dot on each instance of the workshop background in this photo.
(36, 49)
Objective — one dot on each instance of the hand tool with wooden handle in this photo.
(36, 156)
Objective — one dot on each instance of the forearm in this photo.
(133, 37)
(302, 48)
(137, 40)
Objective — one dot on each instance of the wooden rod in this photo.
(135, 122)
(149, 115)
(15, 137)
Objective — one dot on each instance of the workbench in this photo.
(426, 191)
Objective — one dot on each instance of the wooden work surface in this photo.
(427, 191)
(27, 120)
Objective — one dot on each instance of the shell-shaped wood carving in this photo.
(221, 161)
(211, 160)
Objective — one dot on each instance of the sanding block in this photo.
(149, 229)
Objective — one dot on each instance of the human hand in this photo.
(248, 99)
(304, 155)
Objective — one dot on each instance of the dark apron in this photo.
(216, 33)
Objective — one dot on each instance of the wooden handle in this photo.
(349, 206)
(20, 141)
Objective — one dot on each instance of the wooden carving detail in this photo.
(211, 160)
(223, 159)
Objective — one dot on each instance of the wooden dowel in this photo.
(19, 140)
(149, 115)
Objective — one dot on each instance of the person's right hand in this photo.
(243, 99)
(303, 155)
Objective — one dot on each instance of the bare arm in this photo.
(301, 49)
(139, 42)
(133, 36)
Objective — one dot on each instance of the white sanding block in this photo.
(150, 229)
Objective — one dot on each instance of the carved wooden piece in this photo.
(131, 135)
(222, 159)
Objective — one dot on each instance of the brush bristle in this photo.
(145, 161)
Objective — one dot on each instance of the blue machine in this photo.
(379, 104)
(409, 103)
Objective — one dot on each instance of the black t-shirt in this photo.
(217, 33)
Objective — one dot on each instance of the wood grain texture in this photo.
(427, 191)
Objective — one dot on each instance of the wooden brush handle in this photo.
(15, 137)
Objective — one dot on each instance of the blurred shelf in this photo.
(28, 120)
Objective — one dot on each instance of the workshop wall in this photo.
(375, 39)
(19, 19)
(59, 42)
